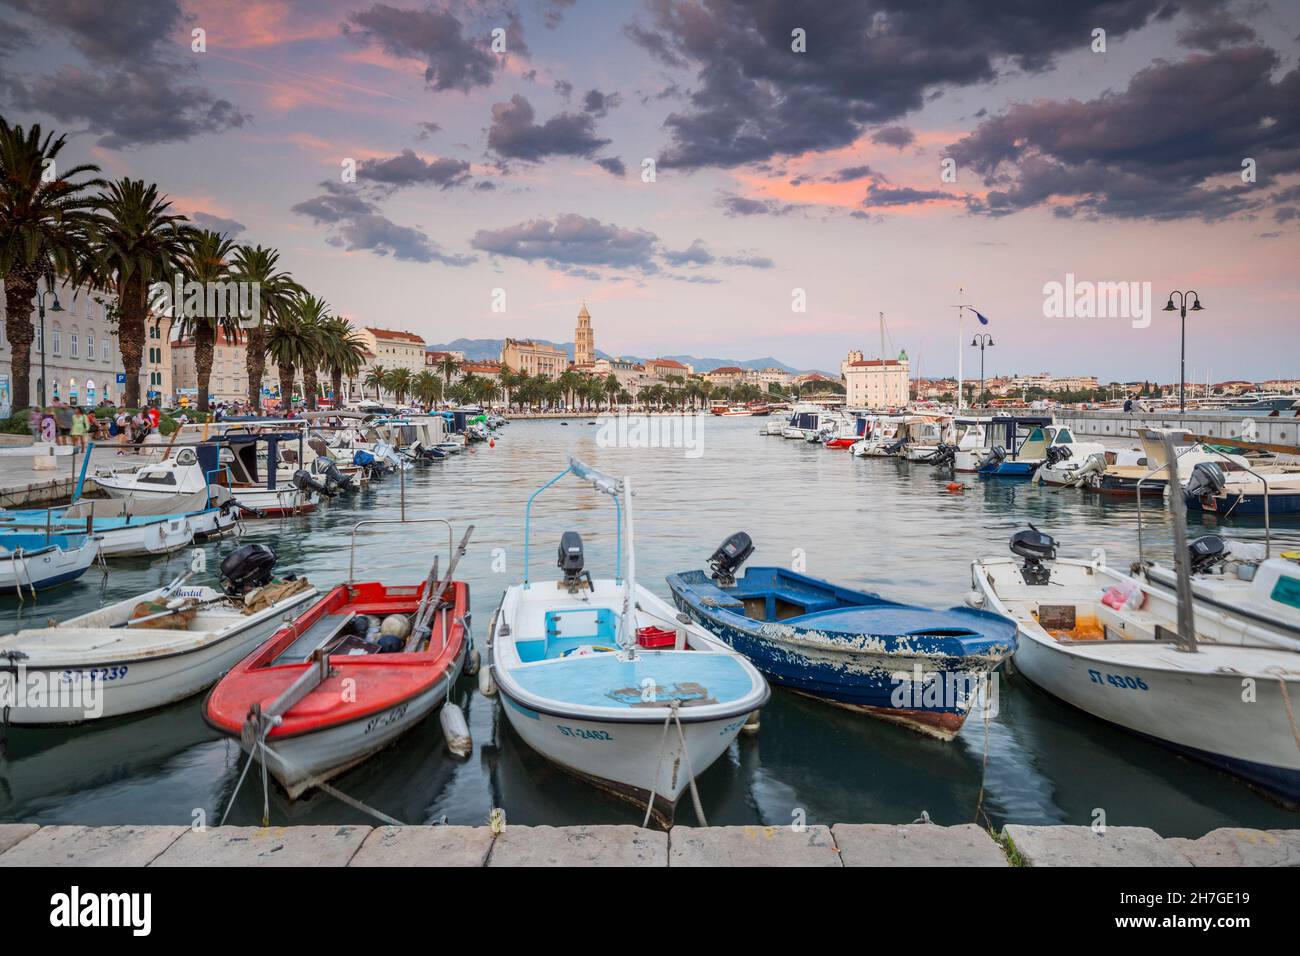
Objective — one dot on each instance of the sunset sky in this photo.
(775, 170)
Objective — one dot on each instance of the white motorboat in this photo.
(882, 433)
(602, 677)
(31, 562)
(149, 650)
(1110, 644)
(926, 437)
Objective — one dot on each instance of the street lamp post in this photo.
(1182, 361)
(40, 308)
(983, 340)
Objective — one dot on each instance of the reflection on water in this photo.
(878, 524)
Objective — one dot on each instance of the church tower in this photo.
(584, 343)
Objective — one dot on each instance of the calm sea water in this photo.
(877, 524)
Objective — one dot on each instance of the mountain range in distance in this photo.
(489, 350)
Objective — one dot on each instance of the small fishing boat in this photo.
(1111, 645)
(923, 668)
(120, 535)
(1147, 472)
(31, 562)
(365, 664)
(880, 433)
(1260, 492)
(602, 677)
(1022, 456)
(150, 650)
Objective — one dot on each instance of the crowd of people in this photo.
(64, 424)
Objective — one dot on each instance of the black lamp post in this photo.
(40, 308)
(1182, 362)
(983, 340)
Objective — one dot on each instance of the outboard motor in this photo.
(944, 454)
(570, 560)
(896, 447)
(303, 481)
(247, 567)
(1035, 547)
(1206, 551)
(994, 458)
(1205, 481)
(1057, 454)
(731, 554)
(338, 479)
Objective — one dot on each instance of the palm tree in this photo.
(137, 242)
(206, 260)
(313, 314)
(569, 381)
(342, 352)
(293, 343)
(44, 229)
(276, 293)
(611, 387)
(448, 366)
(427, 388)
(378, 378)
(398, 381)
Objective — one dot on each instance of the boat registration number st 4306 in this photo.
(1122, 681)
(584, 734)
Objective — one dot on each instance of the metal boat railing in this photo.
(352, 551)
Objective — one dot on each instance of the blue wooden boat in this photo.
(916, 666)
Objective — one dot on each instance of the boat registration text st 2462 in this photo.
(584, 734)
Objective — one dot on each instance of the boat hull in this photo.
(45, 570)
(1229, 505)
(301, 762)
(627, 759)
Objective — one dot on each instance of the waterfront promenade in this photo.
(840, 845)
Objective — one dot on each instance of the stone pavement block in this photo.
(425, 846)
(579, 846)
(266, 846)
(1234, 846)
(921, 844)
(91, 846)
(1081, 846)
(751, 846)
(12, 833)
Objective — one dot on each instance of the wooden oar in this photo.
(429, 604)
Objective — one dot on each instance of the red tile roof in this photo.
(875, 362)
(727, 370)
(666, 363)
(394, 336)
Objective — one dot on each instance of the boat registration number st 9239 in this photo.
(94, 674)
(584, 734)
(1122, 681)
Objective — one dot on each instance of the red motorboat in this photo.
(349, 676)
(847, 442)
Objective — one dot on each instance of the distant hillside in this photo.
(484, 350)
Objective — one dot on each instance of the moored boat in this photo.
(149, 650)
(923, 668)
(601, 677)
(31, 561)
(1111, 645)
(359, 668)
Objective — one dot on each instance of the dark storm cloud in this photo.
(1214, 28)
(697, 254)
(427, 130)
(515, 135)
(453, 61)
(571, 240)
(357, 224)
(733, 205)
(408, 169)
(227, 227)
(564, 88)
(138, 106)
(895, 136)
(598, 104)
(612, 165)
(757, 99)
(1169, 146)
(849, 173)
(879, 195)
(137, 91)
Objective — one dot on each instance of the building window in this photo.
(58, 340)
(106, 358)
(74, 348)
(90, 347)
(40, 340)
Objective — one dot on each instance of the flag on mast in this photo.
(979, 315)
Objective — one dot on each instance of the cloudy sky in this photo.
(793, 146)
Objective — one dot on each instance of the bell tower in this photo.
(584, 344)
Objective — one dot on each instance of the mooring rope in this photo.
(674, 715)
(1286, 702)
(984, 766)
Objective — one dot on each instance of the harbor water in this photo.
(878, 524)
